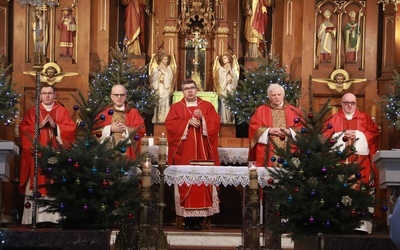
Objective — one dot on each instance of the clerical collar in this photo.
(191, 104)
(122, 108)
(278, 106)
(48, 107)
(349, 116)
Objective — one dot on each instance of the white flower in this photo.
(340, 177)
(52, 160)
(296, 162)
(346, 200)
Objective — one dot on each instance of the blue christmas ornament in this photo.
(313, 193)
(102, 117)
(94, 169)
(339, 153)
(290, 198)
(76, 107)
(337, 206)
(308, 152)
(107, 171)
(358, 175)
(87, 144)
(303, 130)
(62, 206)
(38, 194)
(64, 180)
(285, 164)
(384, 208)
(110, 112)
(90, 190)
(273, 159)
(82, 124)
(49, 169)
(122, 150)
(345, 185)
(122, 171)
(327, 224)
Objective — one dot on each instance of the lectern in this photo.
(8, 150)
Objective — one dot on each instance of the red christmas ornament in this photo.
(270, 181)
(28, 205)
(296, 189)
(353, 212)
(345, 138)
(310, 115)
(282, 137)
(332, 141)
(130, 215)
(98, 134)
(76, 165)
(278, 214)
(104, 183)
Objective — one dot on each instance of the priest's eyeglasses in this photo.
(47, 93)
(119, 95)
(349, 103)
(190, 88)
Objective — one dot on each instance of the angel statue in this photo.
(51, 73)
(339, 80)
(226, 76)
(162, 71)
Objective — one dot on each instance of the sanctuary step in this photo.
(215, 238)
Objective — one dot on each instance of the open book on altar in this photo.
(202, 162)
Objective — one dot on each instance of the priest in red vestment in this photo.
(192, 133)
(358, 129)
(272, 121)
(357, 125)
(56, 126)
(121, 122)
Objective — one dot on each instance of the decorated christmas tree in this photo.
(392, 100)
(135, 79)
(8, 98)
(89, 183)
(316, 188)
(252, 90)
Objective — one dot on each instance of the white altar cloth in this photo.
(226, 155)
(213, 175)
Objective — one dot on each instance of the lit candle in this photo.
(162, 145)
(146, 179)
(373, 111)
(151, 140)
(144, 146)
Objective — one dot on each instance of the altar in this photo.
(227, 156)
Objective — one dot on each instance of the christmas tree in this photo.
(252, 91)
(8, 98)
(136, 81)
(316, 188)
(88, 183)
(392, 100)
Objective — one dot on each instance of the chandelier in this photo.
(386, 2)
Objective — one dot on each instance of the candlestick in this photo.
(151, 140)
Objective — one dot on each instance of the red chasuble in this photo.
(47, 134)
(363, 123)
(263, 119)
(132, 120)
(186, 143)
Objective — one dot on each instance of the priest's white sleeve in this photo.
(264, 137)
(106, 133)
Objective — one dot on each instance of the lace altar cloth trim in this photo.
(226, 155)
(213, 175)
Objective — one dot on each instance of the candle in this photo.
(373, 111)
(162, 145)
(253, 179)
(146, 173)
(144, 148)
(151, 140)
